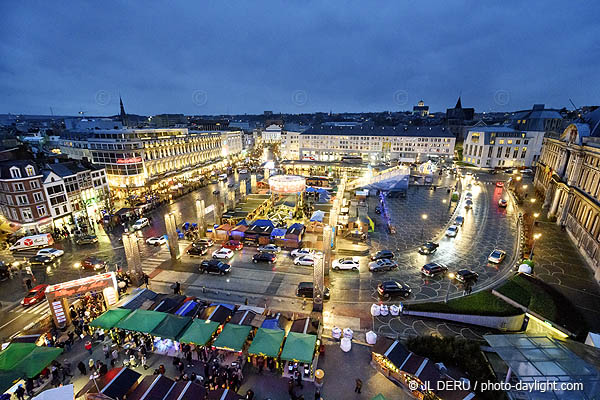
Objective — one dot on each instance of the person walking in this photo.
(81, 368)
(20, 392)
(88, 346)
(177, 288)
(146, 279)
(144, 361)
(106, 351)
(298, 377)
(114, 357)
(358, 386)
(317, 395)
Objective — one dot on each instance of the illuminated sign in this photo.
(131, 160)
(83, 285)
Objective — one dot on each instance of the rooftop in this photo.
(400, 130)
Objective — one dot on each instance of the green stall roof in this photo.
(379, 397)
(232, 337)
(110, 318)
(299, 347)
(8, 379)
(267, 342)
(199, 332)
(141, 321)
(171, 327)
(37, 360)
(13, 354)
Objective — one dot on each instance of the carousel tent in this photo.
(232, 337)
(267, 342)
(171, 327)
(37, 360)
(299, 347)
(199, 332)
(141, 321)
(110, 318)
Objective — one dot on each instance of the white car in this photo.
(452, 231)
(223, 253)
(156, 241)
(497, 256)
(140, 223)
(305, 260)
(305, 251)
(346, 263)
(50, 252)
(269, 248)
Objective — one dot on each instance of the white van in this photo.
(33, 242)
(223, 177)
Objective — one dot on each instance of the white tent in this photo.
(60, 393)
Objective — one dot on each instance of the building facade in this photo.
(502, 146)
(271, 134)
(375, 144)
(568, 177)
(22, 197)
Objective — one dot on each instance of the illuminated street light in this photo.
(450, 277)
(524, 187)
(536, 236)
(77, 266)
(424, 218)
(532, 201)
(518, 178)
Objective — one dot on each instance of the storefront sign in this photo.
(59, 312)
(131, 160)
(80, 286)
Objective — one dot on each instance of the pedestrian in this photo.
(146, 279)
(358, 386)
(188, 357)
(114, 357)
(317, 395)
(161, 369)
(92, 365)
(28, 283)
(177, 288)
(106, 351)
(20, 392)
(29, 387)
(144, 362)
(88, 346)
(81, 368)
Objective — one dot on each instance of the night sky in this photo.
(235, 57)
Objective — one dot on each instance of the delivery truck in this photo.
(32, 242)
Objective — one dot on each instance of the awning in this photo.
(110, 318)
(8, 379)
(138, 299)
(299, 347)
(267, 342)
(170, 303)
(188, 309)
(379, 397)
(199, 332)
(13, 354)
(232, 337)
(218, 313)
(278, 232)
(37, 360)
(186, 391)
(171, 327)
(152, 387)
(141, 321)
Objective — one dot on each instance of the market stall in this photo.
(218, 312)
(232, 339)
(238, 232)
(298, 352)
(110, 318)
(27, 359)
(190, 308)
(115, 384)
(170, 303)
(152, 387)
(265, 348)
(143, 321)
(244, 317)
(224, 394)
(167, 333)
(306, 325)
(259, 232)
(136, 299)
(200, 332)
(60, 393)
(186, 390)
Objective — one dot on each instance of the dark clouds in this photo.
(295, 56)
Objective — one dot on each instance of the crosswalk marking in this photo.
(40, 309)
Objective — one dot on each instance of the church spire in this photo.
(458, 103)
(123, 114)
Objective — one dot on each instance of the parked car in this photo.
(497, 256)
(434, 269)
(469, 203)
(428, 248)
(231, 185)
(156, 241)
(502, 203)
(140, 223)
(214, 267)
(452, 231)
(41, 260)
(243, 171)
(215, 192)
(305, 289)
(86, 239)
(93, 263)
(223, 253)
(351, 263)
(269, 248)
(35, 295)
(197, 251)
(264, 257)
(305, 251)
(233, 245)
(382, 254)
(466, 276)
(52, 252)
(459, 221)
(469, 195)
(500, 184)
(204, 242)
(527, 171)
(383, 264)
(305, 260)
(393, 288)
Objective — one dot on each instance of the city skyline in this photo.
(217, 59)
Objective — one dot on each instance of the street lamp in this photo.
(535, 217)
(536, 236)
(518, 178)
(77, 266)
(532, 201)
(450, 277)
(524, 187)
(424, 218)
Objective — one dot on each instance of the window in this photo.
(15, 172)
(490, 152)
(501, 141)
(29, 170)
(499, 153)
(41, 210)
(26, 214)
(509, 141)
(22, 200)
(56, 211)
(507, 153)
(37, 196)
(19, 187)
(34, 184)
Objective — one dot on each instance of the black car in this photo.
(305, 289)
(428, 248)
(264, 257)
(215, 267)
(231, 185)
(216, 192)
(377, 210)
(433, 269)
(387, 254)
(197, 250)
(41, 259)
(466, 276)
(389, 289)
